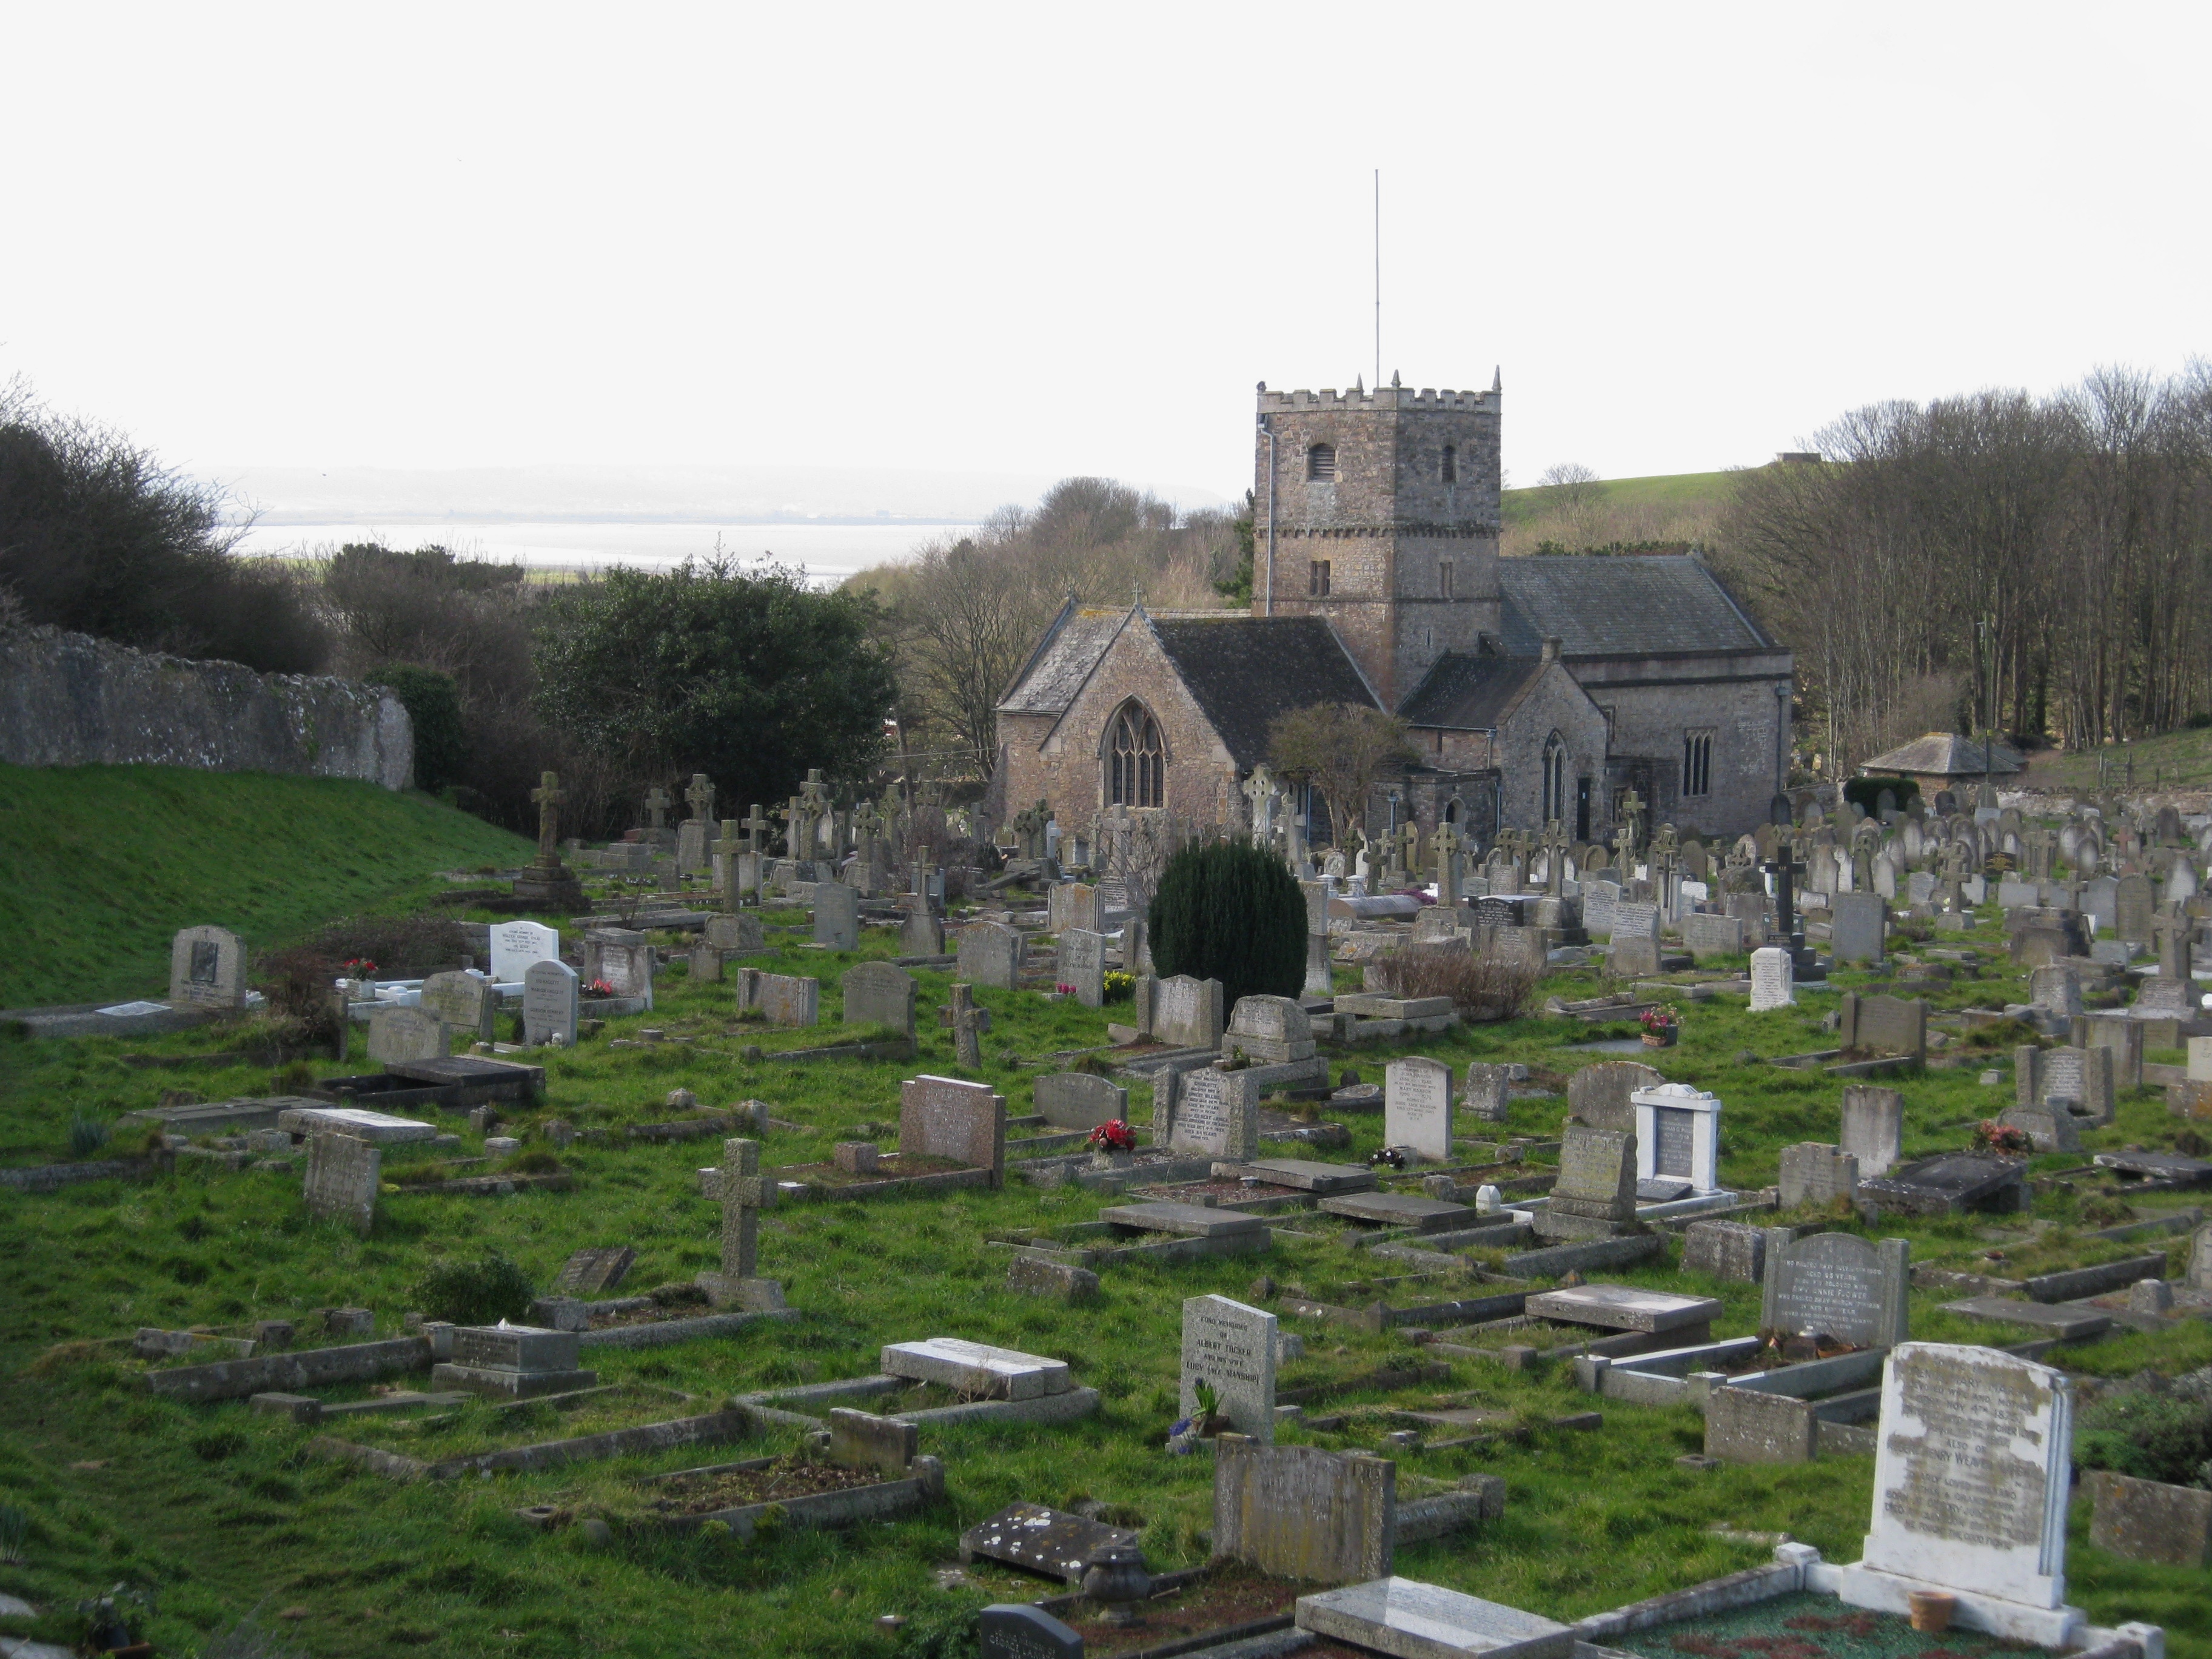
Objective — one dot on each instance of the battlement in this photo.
(1382, 397)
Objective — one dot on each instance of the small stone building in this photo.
(1533, 688)
(1944, 760)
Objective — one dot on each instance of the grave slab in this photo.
(1428, 1215)
(1187, 1220)
(976, 1369)
(1413, 1620)
(2067, 1323)
(1623, 1307)
(1044, 1541)
(378, 1128)
(1311, 1177)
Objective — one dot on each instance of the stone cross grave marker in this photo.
(1774, 979)
(990, 953)
(396, 1034)
(1301, 1512)
(1489, 1091)
(1083, 965)
(207, 968)
(1970, 1482)
(728, 875)
(876, 993)
(516, 945)
(700, 795)
(965, 1123)
(1214, 1112)
(746, 1192)
(343, 1177)
(1231, 1347)
(1873, 1127)
(657, 802)
(465, 1003)
(836, 915)
(1417, 1107)
(1838, 1286)
(549, 1004)
(968, 1023)
(1080, 1100)
(783, 998)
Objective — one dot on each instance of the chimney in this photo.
(1552, 648)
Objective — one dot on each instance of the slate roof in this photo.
(1603, 606)
(1245, 671)
(1063, 659)
(1943, 755)
(1469, 694)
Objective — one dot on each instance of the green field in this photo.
(105, 863)
(1669, 491)
(225, 1511)
(2172, 760)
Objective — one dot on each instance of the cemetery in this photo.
(1335, 1322)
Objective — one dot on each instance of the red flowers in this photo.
(1114, 1136)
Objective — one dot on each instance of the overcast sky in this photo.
(1044, 241)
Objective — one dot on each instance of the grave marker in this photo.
(836, 915)
(342, 1180)
(1727, 1249)
(1272, 1031)
(1678, 1135)
(1635, 939)
(549, 1004)
(516, 945)
(1883, 1024)
(1711, 936)
(1838, 1285)
(1301, 1512)
(1814, 1172)
(1015, 1630)
(1185, 1012)
(1858, 926)
(876, 993)
(1231, 1347)
(590, 1272)
(783, 998)
(1774, 979)
(1595, 1194)
(1599, 1094)
(1083, 965)
(990, 954)
(1417, 1107)
(463, 1002)
(1488, 1098)
(623, 958)
(1873, 1127)
(742, 933)
(1406, 1616)
(2133, 904)
(921, 935)
(207, 968)
(398, 1034)
(745, 1192)
(943, 1117)
(1080, 1100)
(1214, 1112)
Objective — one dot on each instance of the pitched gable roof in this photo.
(1243, 672)
(1063, 659)
(1598, 605)
(1463, 693)
(1943, 753)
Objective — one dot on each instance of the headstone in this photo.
(921, 935)
(1873, 1127)
(516, 945)
(1883, 1024)
(549, 1004)
(1710, 936)
(1948, 1184)
(1815, 1173)
(1488, 1098)
(1635, 939)
(1184, 1013)
(1598, 1095)
(703, 964)
(741, 933)
(1729, 1250)
(1406, 1616)
(518, 1361)
(343, 1177)
(743, 1192)
(1971, 1481)
(1417, 1107)
(1231, 1347)
(1858, 926)
(621, 959)
(1083, 965)
(1272, 1031)
(207, 968)
(2133, 902)
(1080, 1100)
(876, 993)
(1752, 1425)
(593, 1272)
(2124, 1036)
(836, 915)
(1678, 1135)
(1214, 1112)
(1774, 979)
(2056, 988)
(1838, 1286)
(990, 954)
(2100, 899)
(1595, 1196)
(1015, 1630)
(2200, 1258)
(463, 1002)
(943, 1117)
(1301, 1512)
(1070, 904)
(406, 1034)
(2050, 1127)
(783, 998)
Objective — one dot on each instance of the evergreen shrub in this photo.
(1233, 912)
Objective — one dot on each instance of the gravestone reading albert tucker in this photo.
(836, 915)
(990, 953)
(1082, 965)
(781, 998)
(943, 1117)
(1080, 1100)
(876, 993)
(207, 968)
(1838, 1286)
(1232, 1348)
(342, 1181)
(1212, 1112)
(549, 1004)
(1417, 1108)
(1971, 1481)
(1488, 1098)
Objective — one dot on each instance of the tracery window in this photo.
(1136, 760)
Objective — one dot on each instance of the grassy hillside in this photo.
(1669, 506)
(2173, 760)
(104, 863)
(1665, 490)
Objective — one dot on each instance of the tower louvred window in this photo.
(1321, 463)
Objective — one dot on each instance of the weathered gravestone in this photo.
(990, 954)
(1873, 1127)
(1883, 1025)
(1417, 1107)
(1598, 1095)
(703, 964)
(965, 1123)
(736, 932)
(1711, 936)
(2057, 989)
(2122, 1036)
(2133, 903)
(207, 968)
(2080, 1076)
(1488, 1098)
(742, 1192)
(1082, 965)
(1301, 1512)
(1837, 1286)
(466, 1004)
(1271, 1030)
(1318, 981)
(1635, 939)
(396, 1034)
(1971, 1481)
(518, 1361)
(836, 915)
(781, 998)
(1948, 1184)
(1080, 1100)
(1677, 1136)
(589, 1272)
(1070, 904)
(1751, 1425)
(1595, 1194)
(2200, 1258)
(1774, 979)
(549, 1004)
(1406, 1616)
(1182, 1013)
(621, 959)
(1858, 926)
(343, 1177)
(1214, 1112)
(1727, 1249)
(1814, 1172)
(1016, 1629)
(516, 945)
(2050, 1127)
(921, 935)
(876, 993)
(1230, 1348)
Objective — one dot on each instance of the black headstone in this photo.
(1014, 1630)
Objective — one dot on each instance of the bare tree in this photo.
(1342, 750)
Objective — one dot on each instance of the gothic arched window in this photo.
(1556, 766)
(1136, 760)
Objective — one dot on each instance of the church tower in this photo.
(1379, 510)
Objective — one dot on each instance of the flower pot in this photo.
(1931, 1610)
(1662, 1039)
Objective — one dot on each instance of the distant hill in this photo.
(1677, 507)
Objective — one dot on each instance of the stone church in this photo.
(1533, 688)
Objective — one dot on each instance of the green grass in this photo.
(1667, 490)
(2172, 760)
(104, 863)
(225, 1510)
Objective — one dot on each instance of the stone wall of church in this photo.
(1652, 717)
(1553, 703)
